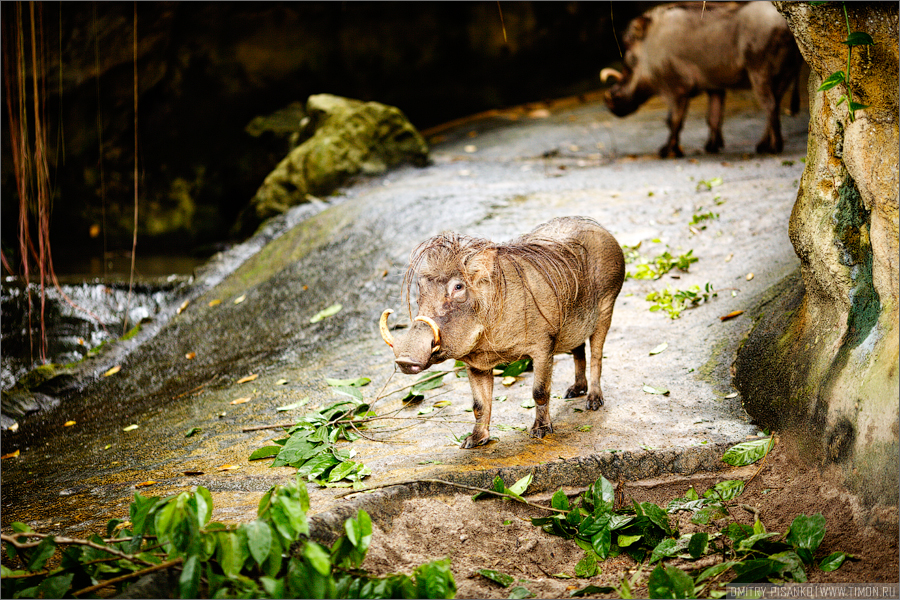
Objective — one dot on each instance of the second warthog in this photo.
(485, 304)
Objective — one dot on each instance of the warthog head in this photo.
(453, 276)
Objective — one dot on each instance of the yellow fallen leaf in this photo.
(249, 377)
(540, 113)
(241, 400)
(191, 355)
(131, 427)
(470, 148)
(508, 381)
(228, 467)
(729, 257)
(731, 315)
(10, 455)
(749, 276)
(14, 427)
(183, 306)
(240, 298)
(441, 403)
(113, 371)
(68, 423)
(145, 484)
(215, 302)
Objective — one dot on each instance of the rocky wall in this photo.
(823, 357)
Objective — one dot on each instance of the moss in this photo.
(37, 376)
(133, 332)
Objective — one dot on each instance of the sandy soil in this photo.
(497, 534)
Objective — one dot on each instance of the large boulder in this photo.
(351, 137)
(824, 358)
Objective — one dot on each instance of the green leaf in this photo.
(806, 533)
(698, 544)
(793, 565)
(41, 554)
(189, 581)
(750, 571)
(661, 391)
(293, 405)
(317, 557)
(601, 541)
(497, 577)
(832, 80)
(667, 547)
(725, 490)
(519, 592)
(560, 501)
(593, 589)
(747, 453)
(54, 587)
(746, 544)
(856, 105)
(259, 540)
(265, 452)
(351, 392)
(192, 431)
(713, 571)
(859, 38)
(516, 368)
(833, 561)
(204, 503)
(297, 451)
(624, 541)
(328, 312)
(434, 580)
(659, 349)
(519, 487)
(670, 582)
(587, 566)
(657, 516)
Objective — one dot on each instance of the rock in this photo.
(823, 360)
(351, 137)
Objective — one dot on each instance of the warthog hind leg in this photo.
(543, 371)
(482, 383)
(580, 387)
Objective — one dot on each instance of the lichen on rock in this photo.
(351, 137)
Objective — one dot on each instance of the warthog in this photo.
(542, 294)
(680, 50)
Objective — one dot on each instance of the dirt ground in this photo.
(497, 534)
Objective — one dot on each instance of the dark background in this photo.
(205, 70)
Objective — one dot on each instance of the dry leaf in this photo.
(190, 473)
(749, 276)
(540, 113)
(731, 315)
(729, 257)
(731, 395)
(242, 400)
(13, 428)
(68, 423)
(228, 467)
(240, 298)
(249, 377)
(10, 455)
(508, 381)
(215, 302)
(183, 306)
(191, 355)
(113, 371)
(441, 403)
(470, 148)
(145, 484)
(131, 427)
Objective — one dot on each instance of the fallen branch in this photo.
(14, 540)
(115, 580)
(453, 484)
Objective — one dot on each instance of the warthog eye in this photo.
(458, 287)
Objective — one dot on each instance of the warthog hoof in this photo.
(594, 402)
(540, 431)
(576, 391)
(474, 440)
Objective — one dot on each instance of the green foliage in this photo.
(855, 38)
(747, 453)
(270, 557)
(646, 533)
(655, 268)
(673, 301)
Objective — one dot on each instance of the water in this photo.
(77, 317)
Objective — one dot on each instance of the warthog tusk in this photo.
(434, 329)
(382, 324)
(608, 72)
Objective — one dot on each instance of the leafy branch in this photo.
(855, 38)
(270, 557)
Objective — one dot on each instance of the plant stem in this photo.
(849, 56)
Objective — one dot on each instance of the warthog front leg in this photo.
(543, 372)
(482, 383)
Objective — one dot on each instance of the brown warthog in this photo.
(542, 294)
(680, 50)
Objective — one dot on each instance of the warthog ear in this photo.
(480, 267)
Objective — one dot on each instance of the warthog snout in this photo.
(414, 351)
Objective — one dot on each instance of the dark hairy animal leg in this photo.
(580, 387)
(482, 384)
(543, 373)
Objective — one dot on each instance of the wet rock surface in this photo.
(495, 178)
